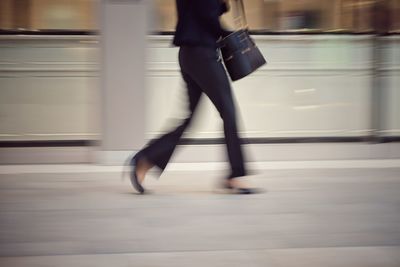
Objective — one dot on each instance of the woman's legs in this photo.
(202, 72)
(159, 151)
(208, 73)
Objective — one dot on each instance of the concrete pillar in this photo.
(123, 45)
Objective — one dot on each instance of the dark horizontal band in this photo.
(48, 143)
(288, 140)
(210, 141)
(263, 32)
(47, 32)
(252, 32)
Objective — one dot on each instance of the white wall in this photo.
(317, 85)
(48, 88)
(390, 75)
(313, 86)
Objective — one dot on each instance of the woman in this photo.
(197, 32)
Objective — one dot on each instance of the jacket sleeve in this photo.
(224, 8)
(208, 12)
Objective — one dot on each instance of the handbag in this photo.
(240, 53)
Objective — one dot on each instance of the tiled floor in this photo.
(306, 217)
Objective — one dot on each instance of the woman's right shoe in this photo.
(133, 176)
(239, 190)
(245, 191)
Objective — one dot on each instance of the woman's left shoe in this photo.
(133, 176)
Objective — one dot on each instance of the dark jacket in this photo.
(198, 22)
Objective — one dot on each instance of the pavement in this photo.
(330, 217)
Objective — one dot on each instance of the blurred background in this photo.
(84, 84)
(354, 16)
(332, 77)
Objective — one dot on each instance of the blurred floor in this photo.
(87, 216)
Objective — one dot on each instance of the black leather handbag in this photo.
(239, 51)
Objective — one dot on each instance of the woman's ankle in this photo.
(143, 166)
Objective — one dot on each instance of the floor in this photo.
(309, 217)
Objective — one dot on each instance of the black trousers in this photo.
(203, 72)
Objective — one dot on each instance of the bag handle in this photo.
(239, 15)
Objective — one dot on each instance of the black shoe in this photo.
(133, 176)
(239, 190)
(245, 191)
